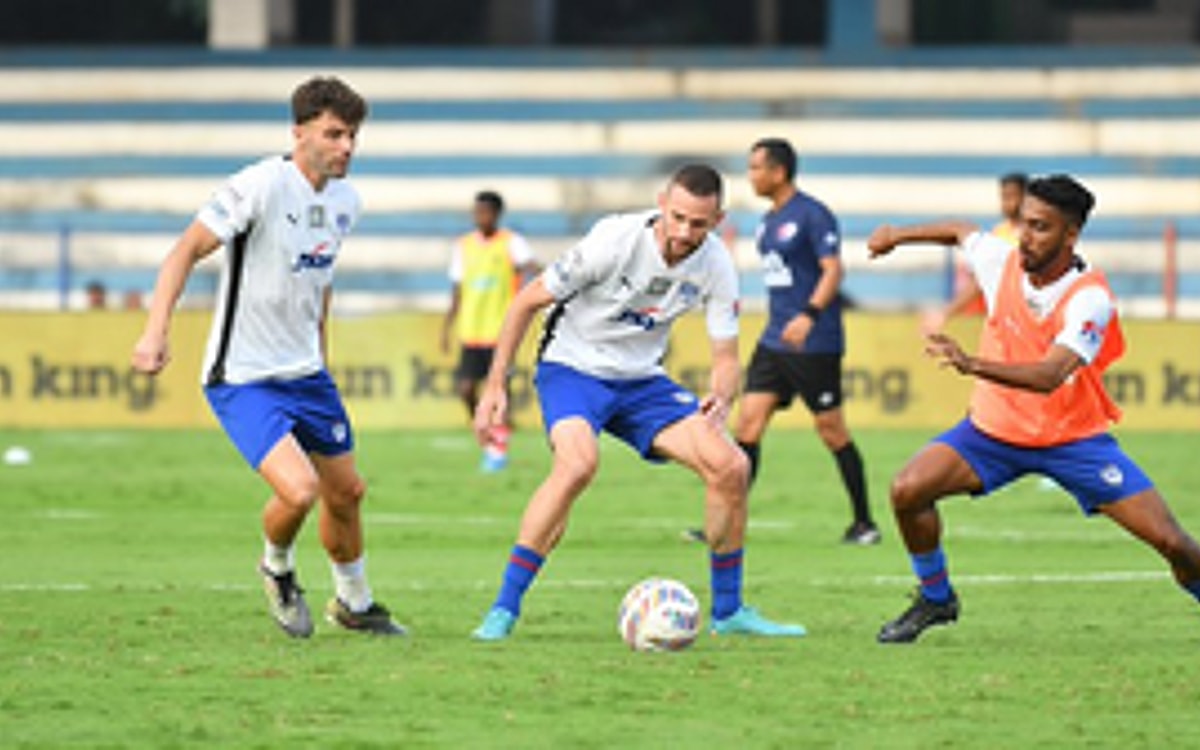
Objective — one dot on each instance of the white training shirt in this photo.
(617, 298)
(281, 240)
(519, 252)
(1087, 314)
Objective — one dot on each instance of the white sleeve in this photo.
(519, 250)
(236, 203)
(587, 262)
(986, 254)
(456, 263)
(1087, 317)
(722, 307)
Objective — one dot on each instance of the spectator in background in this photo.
(97, 295)
(132, 300)
(487, 266)
(968, 299)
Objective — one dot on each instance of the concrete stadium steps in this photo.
(1120, 196)
(948, 137)
(612, 110)
(984, 168)
(100, 84)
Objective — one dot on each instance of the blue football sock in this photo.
(523, 566)
(935, 581)
(1193, 588)
(726, 572)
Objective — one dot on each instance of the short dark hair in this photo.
(491, 198)
(779, 152)
(1020, 179)
(1063, 192)
(700, 180)
(327, 94)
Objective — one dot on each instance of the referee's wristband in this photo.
(812, 311)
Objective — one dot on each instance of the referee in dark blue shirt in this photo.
(800, 352)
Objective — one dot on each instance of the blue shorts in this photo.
(1094, 470)
(633, 410)
(256, 416)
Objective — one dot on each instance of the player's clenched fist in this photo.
(882, 241)
(151, 354)
(491, 412)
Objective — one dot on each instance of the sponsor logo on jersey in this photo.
(319, 257)
(658, 286)
(786, 231)
(830, 238)
(684, 397)
(643, 318)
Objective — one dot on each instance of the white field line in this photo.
(994, 579)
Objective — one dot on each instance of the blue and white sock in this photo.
(523, 566)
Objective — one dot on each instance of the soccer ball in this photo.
(659, 614)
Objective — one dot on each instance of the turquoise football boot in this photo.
(747, 621)
(497, 626)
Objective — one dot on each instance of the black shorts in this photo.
(817, 378)
(474, 363)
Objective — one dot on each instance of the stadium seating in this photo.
(104, 163)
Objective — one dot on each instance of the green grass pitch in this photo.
(131, 616)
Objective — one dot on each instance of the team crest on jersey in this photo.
(339, 432)
(689, 293)
(316, 216)
(343, 223)
(1091, 332)
(786, 231)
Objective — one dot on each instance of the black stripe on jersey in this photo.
(237, 261)
(552, 321)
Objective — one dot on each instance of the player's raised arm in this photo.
(493, 401)
(887, 237)
(151, 353)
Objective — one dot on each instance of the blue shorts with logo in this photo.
(256, 416)
(1094, 470)
(634, 411)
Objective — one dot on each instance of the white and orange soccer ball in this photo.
(659, 614)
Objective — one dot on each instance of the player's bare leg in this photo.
(830, 426)
(467, 391)
(725, 470)
(1147, 517)
(707, 450)
(754, 414)
(341, 491)
(938, 471)
(576, 456)
(296, 485)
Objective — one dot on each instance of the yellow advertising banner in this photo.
(71, 370)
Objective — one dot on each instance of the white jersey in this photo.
(1088, 311)
(281, 238)
(617, 297)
